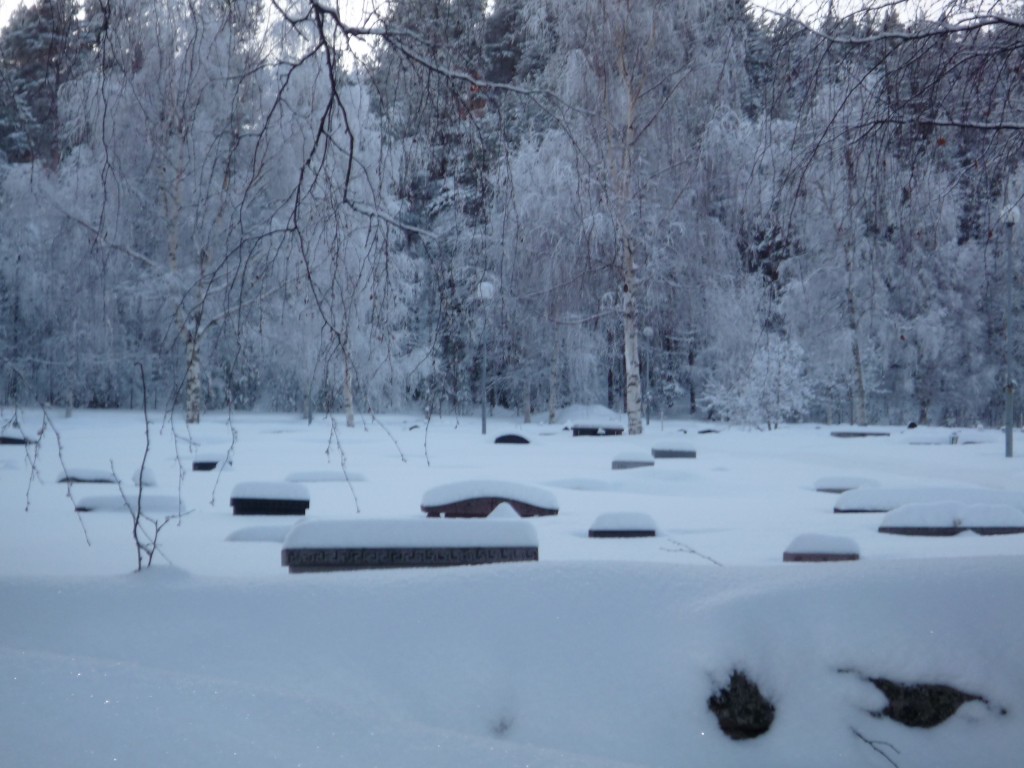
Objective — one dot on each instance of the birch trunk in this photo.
(350, 406)
(553, 386)
(859, 395)
(631, 347)
(193, 381)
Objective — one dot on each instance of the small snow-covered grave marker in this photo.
(589, 429)
(478, 498)
(261, 498)
(673, 449)
(347, 545)
(326, 476)
(842, 484)
(632, 460)
(80, 475)
(511, 439)
(207, 461)
(622, 525)
(817, 548)
(151, 505)
(847, 433)
(879, 500)
(15, 437)
(948, 518)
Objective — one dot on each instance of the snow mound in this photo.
(151, 505)
(886, 499)
(325, 476)
(271, 533)
(953, 514)
(841, 484)
(816, 543)
(614, 522)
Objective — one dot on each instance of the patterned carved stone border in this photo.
(345, 559)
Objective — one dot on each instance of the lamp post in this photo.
(1010, 216)
(484, 292)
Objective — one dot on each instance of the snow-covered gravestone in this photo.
(326, 476)
(866, 500)
(209, 460)
(512, 438)
(82, 475)
(948, 518)
(478, 498)
(673, 449)
(842, 484)
(347, 545)
(159, 506)
(623, 525)
(260, 498)
(596, 429)
(632, 460)
(818, 548)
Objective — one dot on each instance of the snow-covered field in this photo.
(603, 653)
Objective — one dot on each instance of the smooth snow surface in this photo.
(603, 654)
(284, 491)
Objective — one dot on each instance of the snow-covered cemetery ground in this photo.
(603, 652)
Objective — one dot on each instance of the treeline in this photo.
(681, 208)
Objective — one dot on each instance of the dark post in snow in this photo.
(484, 292)
(1010, 217)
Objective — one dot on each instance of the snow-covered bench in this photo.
(478, 498)
(347, 545)
(259, 498)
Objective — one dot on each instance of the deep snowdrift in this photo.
(604, 653)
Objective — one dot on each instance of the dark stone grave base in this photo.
(673, 453)
(511, 440)
(623, 534)
(341, 559)
(203, 466)
(817, 557)
(269, 506)
(631, 463)
(948, 530)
